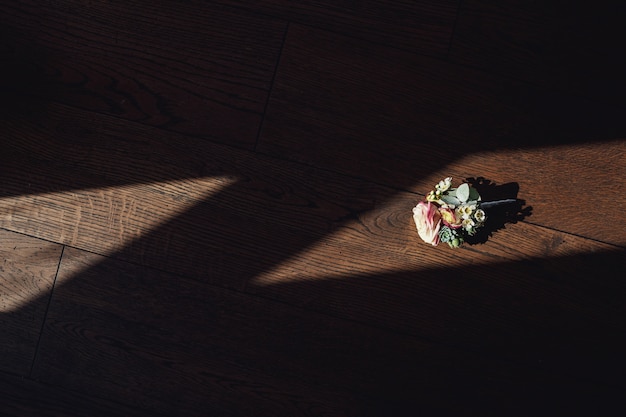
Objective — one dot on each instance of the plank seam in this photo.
(45, 316)
(268, 299)
(271, 89)
(453, 31)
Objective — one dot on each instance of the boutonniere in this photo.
(450, 214)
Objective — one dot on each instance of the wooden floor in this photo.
(205, 208)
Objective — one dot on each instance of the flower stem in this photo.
(488, 204)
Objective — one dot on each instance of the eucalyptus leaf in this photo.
(463, 192)
(450, 200)
(473, 195)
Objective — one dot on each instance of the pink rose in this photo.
(428, 221)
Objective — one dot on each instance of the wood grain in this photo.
(162, 342)
(573, 48)
(418, 26)
(24, 397)
(166, 343)
(550, 179)
(27, 273)
(168, 201)
(200, 69)
(280, 272)
(122, 196)
(407, 122)
(312, 239)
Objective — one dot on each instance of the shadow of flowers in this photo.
(500, 215)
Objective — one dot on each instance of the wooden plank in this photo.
(320, 225)
(27, 272)
(163, 342)
(200, 69)
(528, 293)
(573, 48)
(549, 180)
(532, 307)
(422, 26)
(119, 181)
(103, 184)
(23, 397)
(166, 343)
(308, 238)
(407, 121)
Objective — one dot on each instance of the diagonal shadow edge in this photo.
(92, 167)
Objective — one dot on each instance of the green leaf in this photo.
(463, 192)
(473, 194)
(448, 199)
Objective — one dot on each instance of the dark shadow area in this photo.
(173, 323)
(22, 77)
(38, 80)
(568, 48)
(501, 215)
(532, 337)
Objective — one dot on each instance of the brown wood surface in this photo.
(108, 197)
(165, 343)
(28, 268)
(197, 69)
(418, 26)
(23, 397)
(409, 121)
(205, 209)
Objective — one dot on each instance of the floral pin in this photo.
(451, 215)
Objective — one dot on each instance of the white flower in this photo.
(468, 224)
(444, 184)
(479, 215)
(465, 211)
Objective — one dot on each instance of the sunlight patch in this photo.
(103, 220)
(348, 251)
